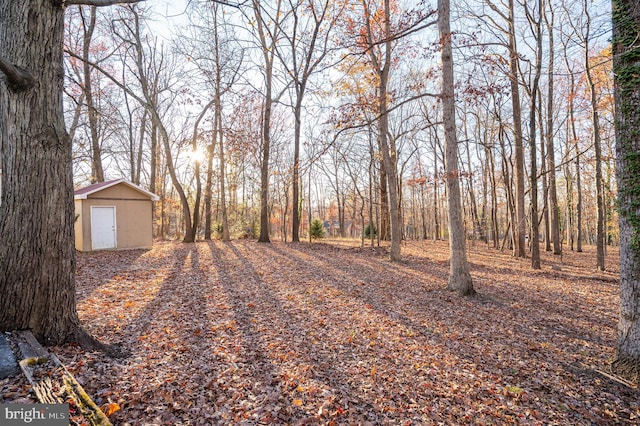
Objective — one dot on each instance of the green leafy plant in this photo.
(367, 231)
(317, 229)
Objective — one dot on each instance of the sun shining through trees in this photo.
(331, 164)
(199, 155)
(394, 138)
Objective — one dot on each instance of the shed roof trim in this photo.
(83, 193)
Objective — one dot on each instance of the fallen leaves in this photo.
(325, 334)
(110, 408)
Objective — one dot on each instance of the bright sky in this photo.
(168, 14)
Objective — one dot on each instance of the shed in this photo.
(113, 215)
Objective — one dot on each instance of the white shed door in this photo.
(103, 228)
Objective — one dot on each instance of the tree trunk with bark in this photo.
(37, 254)
(626, 27)
(268, 52)
(554, 216)
(208, 188)
(576, 148)
(97, 171)
(382, 65)
(597, 145)
(459, 276)
(520, 226)
(536, 23)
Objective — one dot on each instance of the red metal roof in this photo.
(82, 193)
(96, 187)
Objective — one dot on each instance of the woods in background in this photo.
(253, 121)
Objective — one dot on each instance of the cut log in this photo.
(53, 384)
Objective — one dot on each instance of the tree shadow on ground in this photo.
(103, 263)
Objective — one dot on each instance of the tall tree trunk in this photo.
(208, 188)
(520, 227)
(382, 65)
(372, 221)
(221, 160)
(626, 27)
(508, 188)
(264, 169)
(220, 135)
(37, 254)
(436, 190)
(597, 145)
(576, 148)
(97, 171)
(153, 177)
(385, 221)
(569, 191)
(195, 223)
(533, 130)
(149, 100)
(137, 164)
(554, 219)
(459, 276)
(478, 229)
(545, 183)
(268, 52)
(494, 197)
(295, 220)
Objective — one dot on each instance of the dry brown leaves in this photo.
(248, 333)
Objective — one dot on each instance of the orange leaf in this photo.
(110, 408)
(297, 402)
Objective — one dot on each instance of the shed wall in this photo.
(134, 217)
(77, 226)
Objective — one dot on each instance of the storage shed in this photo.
(113, 215)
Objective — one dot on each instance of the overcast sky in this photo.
(168, 14)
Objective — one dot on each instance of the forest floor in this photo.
(328, 333)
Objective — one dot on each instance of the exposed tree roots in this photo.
(88, 342)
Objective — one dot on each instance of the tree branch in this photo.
(98, 3)
(226, 3)
(18, 78)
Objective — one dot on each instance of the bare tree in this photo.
(552, 199)
(268, 27)
(572, 140)
(149, 99)
(88, 26)
(459, 276)
(597, 144)
(307, 45)
(536, 27)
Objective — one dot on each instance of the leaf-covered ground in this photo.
(248, 333)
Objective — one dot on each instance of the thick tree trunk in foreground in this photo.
(459, 277)
(37, 255)
(626, 26)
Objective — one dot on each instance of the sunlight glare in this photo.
(198, 155)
